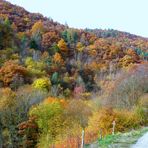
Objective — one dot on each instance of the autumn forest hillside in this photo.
(53, 77)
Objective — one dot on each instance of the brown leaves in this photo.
(29, 129)
(9, 70)
(49, 38)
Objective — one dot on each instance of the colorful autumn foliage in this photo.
(62, 45)
(49, 38)
(57, 58)
(101, 122)
(9, 70)
(56, 81)
(50, 125)
(51, 100)
(29, 131)
(42, 84)
(35, 68)
(37, 28)
(7, 98)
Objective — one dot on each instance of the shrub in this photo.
(42, 84)
(102, 120)
(67, 92)
(50, 122)
(7, 98)
(141, 113)
(29, 131)
(126, 120)
(51, 100)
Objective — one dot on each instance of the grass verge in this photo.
(124, 140)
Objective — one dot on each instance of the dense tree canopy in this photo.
(57, 82)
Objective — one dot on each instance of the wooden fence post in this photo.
(113, 130)
(100, 133)
(83, 134)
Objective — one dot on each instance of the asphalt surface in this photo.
(142, 142)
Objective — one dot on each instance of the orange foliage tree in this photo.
(9, 70)
(49, 100)
(57, 58)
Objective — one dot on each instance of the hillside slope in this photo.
(56, 81)
(31, 39)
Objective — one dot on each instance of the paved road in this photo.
(142, 142)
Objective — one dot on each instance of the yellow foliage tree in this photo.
(126, 61)
(38, 27)
(62, 45)
(49, 121)
(35, 68)
(42, 83)
(79, 47)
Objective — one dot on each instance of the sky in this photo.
(124, 15)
